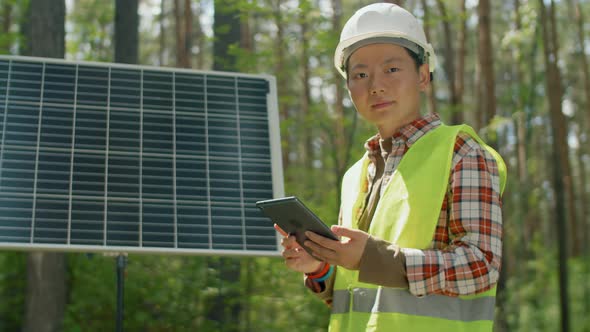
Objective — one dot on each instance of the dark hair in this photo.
(418, 60)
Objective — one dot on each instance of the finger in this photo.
(345, 231)
(322, 241)
(320, 252)
(289, 242)
(286, 240)
(280, 230)
(293, 253)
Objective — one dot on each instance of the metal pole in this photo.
(121, 264)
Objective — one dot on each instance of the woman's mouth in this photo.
(381, 104)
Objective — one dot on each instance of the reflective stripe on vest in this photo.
(392, 300)
(407, 214)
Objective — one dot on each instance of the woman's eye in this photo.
(360, 75)
(392, 70)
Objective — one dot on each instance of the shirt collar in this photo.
(407, 134)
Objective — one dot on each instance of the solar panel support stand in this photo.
(121, 265)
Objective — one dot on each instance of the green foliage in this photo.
(533, 294)
(280, 302)
(12, 289)
(7, 40)
(172, 293)
(92, 295)
(12, 14)
(89, 34)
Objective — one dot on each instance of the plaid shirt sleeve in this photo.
(466, 249)
(323, 289)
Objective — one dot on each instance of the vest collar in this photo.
(407, 134)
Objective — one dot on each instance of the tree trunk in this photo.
(509, 262)
(6, 17)
(246, 38)
(46, 272)
(561, 166)
(188, 34)
(183, 26)
(585, 225)
(6, 23)
(524, 134)
(582, 193)
(585, 236)
(521, 133)
(200, 40)
(431, 90)
(46, 292)
(487, 103)
(449, 63)
(304, 115)
(227, 305)
(226, 28)
(579, 16)
(342, 145)
(46, 31)
(508, 268)
(249, 289)
(461, 54)
(181, 60)
(581, 38)
(126, 31)
(162, 37)
(281, 80)
(179, 33)
(575, 243)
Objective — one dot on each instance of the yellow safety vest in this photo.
(407, 215)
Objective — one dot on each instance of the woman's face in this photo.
(385, 86)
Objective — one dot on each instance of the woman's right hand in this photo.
(296, 258)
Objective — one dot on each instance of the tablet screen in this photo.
(294, 218)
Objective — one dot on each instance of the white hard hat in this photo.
(382, 23)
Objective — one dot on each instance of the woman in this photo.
(420, 220)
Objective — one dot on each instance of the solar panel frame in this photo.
(34, 158)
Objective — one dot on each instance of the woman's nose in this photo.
(377, 86)
(377, 89)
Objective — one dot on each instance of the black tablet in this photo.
(295, 218)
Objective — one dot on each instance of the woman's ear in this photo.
(424, 76)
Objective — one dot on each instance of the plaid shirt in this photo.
(465, 252)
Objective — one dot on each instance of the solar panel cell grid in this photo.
(99, 156)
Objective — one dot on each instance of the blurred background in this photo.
(516, 70)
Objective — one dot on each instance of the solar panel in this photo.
(121, 158)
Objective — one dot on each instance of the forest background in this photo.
(516, 70)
